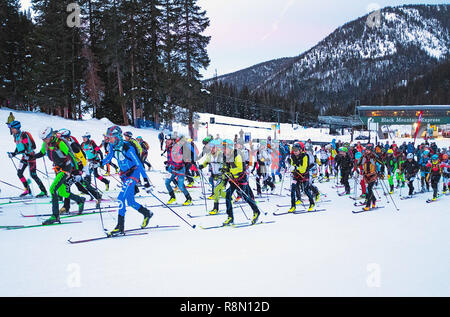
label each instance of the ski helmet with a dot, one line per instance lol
(435, 157)
(390, 151)
(445, 157)
(64, 132)
(410, 156)
(114, 131)
(128, 134)
(87, 135)
(46, 133)
(228, 143)
(15, 125)
(138, 138)
(206, 140)
(425, 153)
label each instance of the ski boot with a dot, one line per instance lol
(255, 217)
(392, 189)
(147, 215)
(367, 208)
(292, 209)
(215, 210)
(317, 196)
(311, 207)
(53, 219)
(25, 193)
(42, 194)
(106, 187)
(228, 222)
(298, 202)
(188, 201)
(120, 228)
(172, 199)
(81, 205)
(63, 211)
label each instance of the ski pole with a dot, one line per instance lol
(391, 197)
(36, 168)
(100, 208)
(282, 181)
(204, 190)
(239, 188)
(151, 193)
(11, 185)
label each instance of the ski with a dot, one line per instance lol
(129, 232)
(317, 202)
(237, 225)
(358, 204)
(15, 202)
(85, 212)
(41, 225)
(106, 237)
(297, 212)
(343, 194)
(362, 210)
(252, 224)
(206, 215)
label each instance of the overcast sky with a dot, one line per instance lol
(248, 32)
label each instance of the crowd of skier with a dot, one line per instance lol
(226, 165)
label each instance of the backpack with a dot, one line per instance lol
(137, 148)
(32, 143)
(79, 156)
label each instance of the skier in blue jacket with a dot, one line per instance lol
(131, 170)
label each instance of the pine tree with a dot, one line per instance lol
(57, 70)
(193, 55)
(15, 30)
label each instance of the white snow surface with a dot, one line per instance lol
(333, 253)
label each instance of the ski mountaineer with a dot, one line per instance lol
(368, 163)
(175, 166)
(391, 166)
(105, 145)
(64, 164)
(77, 175)
(314, 165)
(190, 157)
(424, 171)
(357, 172)
(345, 163)
(215, 161)
(234, 171)
(131, 169)
(323, 156)
(410, 168)
(262, 166)
(25, 145)
(400, 175)
(445, 173)
(145, 148)
(94, 155)
(435, 168)
(300, 164)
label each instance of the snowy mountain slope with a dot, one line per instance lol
(359, 57)
(332, 253)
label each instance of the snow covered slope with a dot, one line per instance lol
(332, 253)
